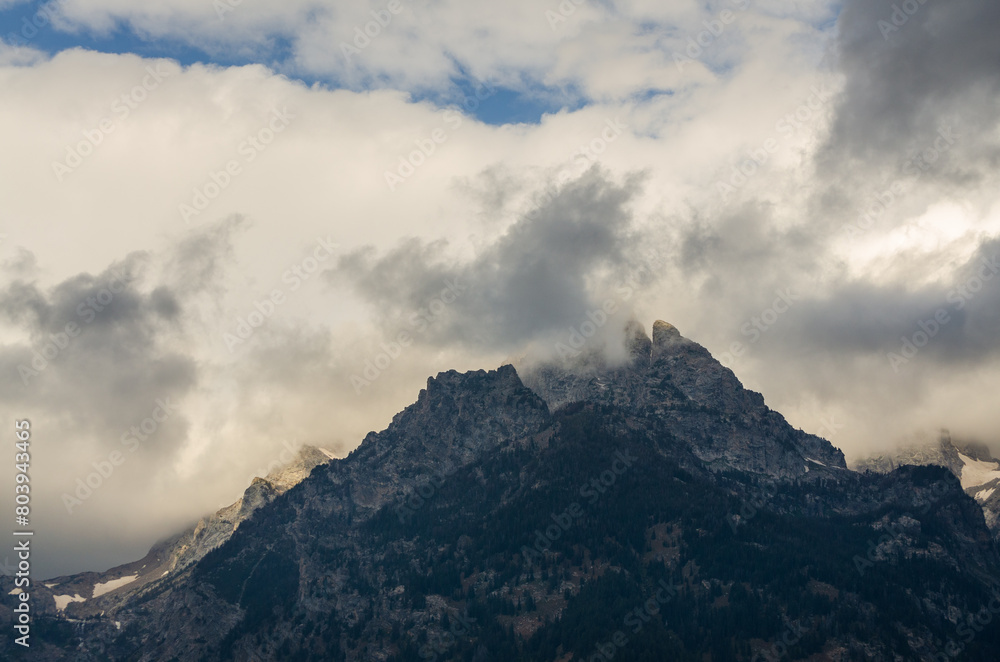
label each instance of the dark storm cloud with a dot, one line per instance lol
(743, 261)
(103, 349)
(544, 273)
(106, 363)
(954, 321)
(743, 251)
(913, 67)
(95, 349)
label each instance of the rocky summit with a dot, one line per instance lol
(672, 381)
(648, 508)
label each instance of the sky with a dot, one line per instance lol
(230, 228)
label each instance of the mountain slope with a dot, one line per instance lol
(77, 595)
(671, 378)
(972, 464)
(653, 510)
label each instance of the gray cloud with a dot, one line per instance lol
(547, 270)
(860, 317)
(98, 353)
(96, 347)
(911, 68)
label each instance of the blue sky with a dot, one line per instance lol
(503, 106)
(638, 159)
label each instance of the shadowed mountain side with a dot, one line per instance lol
(484, 524)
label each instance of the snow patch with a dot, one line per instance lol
(815, 461)
(107, 587)
(62, 601)
(15, 591)
(328, 454)
(51, 585)
(983, 495)
(977, 472)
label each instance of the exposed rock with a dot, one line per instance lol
(971, 462)
(172, 555)
(427, 541)
(674, 381)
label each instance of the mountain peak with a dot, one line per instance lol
(664, 332)
(637, 341)
(672, 378)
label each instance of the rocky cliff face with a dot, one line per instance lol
(971, 463)
(675, 381)
(653, 508)
(454, 421)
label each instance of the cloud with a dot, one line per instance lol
(541, 275)
(959, 310)
(912, 68)
(117, 362)
(515, 217)
(99, 352)
(594, 51)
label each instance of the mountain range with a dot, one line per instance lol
(650, 508)
(972, 463)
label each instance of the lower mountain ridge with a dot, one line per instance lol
(652, 510)
(971, 463)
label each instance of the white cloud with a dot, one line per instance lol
(605, 50)
(169, 140)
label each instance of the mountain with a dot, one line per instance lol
(76, 596)
(644, 509)
(673, 381)
(970, 462)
